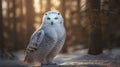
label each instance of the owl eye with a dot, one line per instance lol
(48, 18)
(58, 13)
(56, 18)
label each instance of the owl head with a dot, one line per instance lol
(52, 18)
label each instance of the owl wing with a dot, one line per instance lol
(35, 41)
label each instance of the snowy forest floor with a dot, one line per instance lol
(80, 58)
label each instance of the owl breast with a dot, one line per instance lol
(50, 32)
(60, 30)
(55, 32)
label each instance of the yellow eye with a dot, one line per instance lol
(56, 18)
(48, 18)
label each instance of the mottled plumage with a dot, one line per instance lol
(47, 41)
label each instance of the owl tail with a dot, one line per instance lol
(28, 59)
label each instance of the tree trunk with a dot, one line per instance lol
(95, 34)
(63, 8)
(15, 24)
(29, 18)
(1, 32)
(48, 7)
(106, 24)
(4, 54)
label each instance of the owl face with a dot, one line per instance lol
(52, 18)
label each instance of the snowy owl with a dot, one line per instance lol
(47, 41)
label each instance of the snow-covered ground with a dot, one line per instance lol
(81, 57)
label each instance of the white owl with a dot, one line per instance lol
(47, 41)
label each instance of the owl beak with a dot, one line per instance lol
(51, 23)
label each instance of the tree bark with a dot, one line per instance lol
(95, 34)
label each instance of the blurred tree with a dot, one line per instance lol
(1, 33)
(15, 24)
(95, 34)
(3, 53)
(48, 7)
(29, 18)
(106, 24)
(114, 19)
(63, 8)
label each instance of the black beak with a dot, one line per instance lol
(51, 23)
